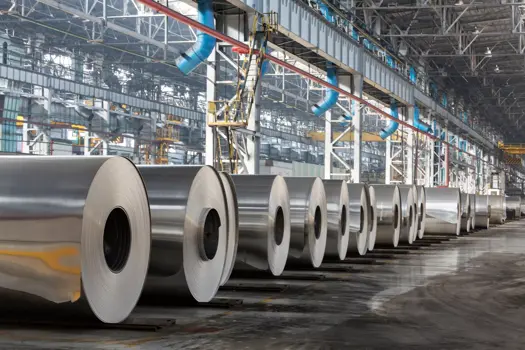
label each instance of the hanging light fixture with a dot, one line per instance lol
(476, 30)
(496, 69)
(459, 3)
(488, 53)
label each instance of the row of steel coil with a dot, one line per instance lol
(95, 234)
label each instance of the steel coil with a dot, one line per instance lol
(497, 207)
(359, 207)
(373, 218)
(75, 236)
(189, 225)
(421, 211)
(466, 216)
(513, 207)
(337, 219)
(232, 226)
(472, 202)
(388, 209)
(308, 223)
(264, 222)
(408, 213)
(483, 212)
(443, 211)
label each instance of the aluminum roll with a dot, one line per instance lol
(308, 223)
(466, 215)
(189, 225)
(373, 218)
(522, 208)
(483, 211)
(359, 225)
(388, 209)
(408, 213)
(472, 202)
(443, 211)
(338, 217)
(264, 222)
(232, 226)
(75, 235)
(497, 207)
(421, 211)
(513, 207)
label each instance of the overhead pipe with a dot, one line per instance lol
(393, 125)
(186, 20)
(205, 43)
(418, 123)
(331, 96)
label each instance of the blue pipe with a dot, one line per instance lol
(326, 12)
(433, 91)
(419, 124)
(331, 96)
(444, 100)
(205, 44)
(392, 126)
(412, 75)
(345, 120)
(266, 64)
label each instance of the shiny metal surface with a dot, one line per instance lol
(483, 211)
(497, 207)
(443, 211)
(372, 218)
(466, 216)
(421, 211)
(308, 224)
(233, 226)
(264, 222)
(388, 209)
(189, 225)
(408, 231)
(338, 217)
(359, 208)
(472, 202)
(513, 207)
(75, 231)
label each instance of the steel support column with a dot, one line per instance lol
(253, 141)
(409, 153)
(328, 145)
(358, 126)
(211, 77)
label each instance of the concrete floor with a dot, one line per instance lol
(464, 293)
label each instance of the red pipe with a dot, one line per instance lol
(192, 23)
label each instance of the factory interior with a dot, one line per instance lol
(262, 174)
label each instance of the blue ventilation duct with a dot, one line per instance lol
(444, 100)
(433, 90)
(412, 75)
(345, 120)
(266, 64)
(393, 125)
(435, 128)
(419, 124)
(368, 45)
(355, 34)
(465, 117)
(205, 44)
(390, 62)
(326, 12)
(331, 96)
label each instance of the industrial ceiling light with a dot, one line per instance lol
(459, 3)
(476, 31)
(488, 53)
(496, 69)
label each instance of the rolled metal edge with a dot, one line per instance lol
(233, 226)
(422, 211)
(466, 215)
(373, 218)
(497, 207)
(483, 211)
(359, 226)
(408, 213)
(308, 220)
(338, 218)
(388, 208)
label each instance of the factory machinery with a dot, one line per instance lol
(103, 236)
